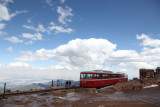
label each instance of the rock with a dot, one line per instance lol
(135, 78)
(58, 100)
(137, 86)
(92, 90)
(130, 85)
(37, 99)
(21, 101)
(18, 91)
(127, 87)
(101, 106)
(43, 93)
(90, 102)
(8, 91)
(118, 86)
(106, 89)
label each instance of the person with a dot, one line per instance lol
(66, 83)
(69, 83)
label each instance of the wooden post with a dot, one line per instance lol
(4, 90)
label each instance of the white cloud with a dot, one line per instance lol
(62, 1)
(2, 33)
(52, 23)
(89, 54)
(5, 2)
(36, 36)
(49, 2)
(2, 25)
(29, 42)
(4, 14)
(60, 29)
(17, 64)
(40, 28)
(9, 49)
(147, 41)
(65, 14)
(17, 12)
(94, 50)
(52, 27)
(14, 39)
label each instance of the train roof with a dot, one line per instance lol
(102, 71)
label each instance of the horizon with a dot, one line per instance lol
(57, 39)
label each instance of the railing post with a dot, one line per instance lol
(4, 90)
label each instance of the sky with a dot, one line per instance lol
(50, 39)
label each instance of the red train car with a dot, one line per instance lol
(99, 78)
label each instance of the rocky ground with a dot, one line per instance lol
(104, 97)
(134, 93)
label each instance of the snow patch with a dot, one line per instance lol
(153, 85)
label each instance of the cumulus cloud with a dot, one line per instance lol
(5, 2)
(9, 49)
(65, 14)
(29, 42)
(147, 41)
(77, 52)
(40, 28)
(62, 1)
(36, 36)
(52, 27)
(4, 14)
(60, 29)
(2, 33)
(17, 12)
(14, 39)
(49, 2)
(2, 25)
(97, 53)
(17, 64)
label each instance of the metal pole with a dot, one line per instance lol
(4, 90)
(52, 83)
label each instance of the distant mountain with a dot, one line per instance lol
(59, 82)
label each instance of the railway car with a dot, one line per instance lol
(100, 78)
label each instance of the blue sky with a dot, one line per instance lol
(76, 35)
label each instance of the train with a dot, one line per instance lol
(100, 78)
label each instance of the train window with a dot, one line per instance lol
(103, 76)
(89, 76)
(83, 76)
(114, 76)
(121, 76)
(97, 76)
(107, 76)
(100, 76)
